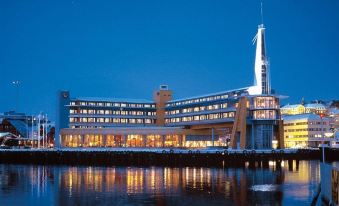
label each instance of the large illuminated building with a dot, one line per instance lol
(241, 118)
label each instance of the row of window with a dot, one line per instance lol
(110, 112)
(265, 102)
(305, 123)
(111, 120)
(111, 104)
(264, 114)
(296, 136)
(304, 136)
(197, 109)
(200, 117)
(202, 99)
(305, 129)
(99, 140)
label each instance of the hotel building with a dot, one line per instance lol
(246, 118)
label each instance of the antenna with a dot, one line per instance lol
(262, 14)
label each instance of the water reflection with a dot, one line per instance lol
(292, 183)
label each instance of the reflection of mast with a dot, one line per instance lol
(239, 194)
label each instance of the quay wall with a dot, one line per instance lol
(160, 157)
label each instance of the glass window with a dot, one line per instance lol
(264, 114)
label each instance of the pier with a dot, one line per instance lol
(160, 156)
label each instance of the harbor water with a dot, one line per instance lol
(294, 183)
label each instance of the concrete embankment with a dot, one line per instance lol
(159, 157)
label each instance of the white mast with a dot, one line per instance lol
(262, 79)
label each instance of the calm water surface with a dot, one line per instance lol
(292, 184)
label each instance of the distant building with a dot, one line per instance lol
(294, 109)
(306, 130)
(315, 108)
(333, 113)
(25, 127)
(18, 124)
(241, 118)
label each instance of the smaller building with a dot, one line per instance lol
(295, 109)
(315, 108)
(306, 130)
(292, 109)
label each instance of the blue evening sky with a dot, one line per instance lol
(126, 49)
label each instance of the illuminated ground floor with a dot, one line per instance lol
(263, 134)
(140, 137)
(305, 142)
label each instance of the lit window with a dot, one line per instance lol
(100, 120)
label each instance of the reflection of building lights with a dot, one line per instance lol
(153, 178)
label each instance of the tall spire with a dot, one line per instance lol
(261, 70)
(262, 14)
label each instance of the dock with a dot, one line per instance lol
(160, 156)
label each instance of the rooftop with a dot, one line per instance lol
(210, 95)
(308, 116)
(315, 105)
(124, 100)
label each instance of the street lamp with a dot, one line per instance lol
(322, 136)
(16, 84)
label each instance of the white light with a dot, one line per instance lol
(328, 134)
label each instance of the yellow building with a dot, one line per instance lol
(293, 109)
(305, 130)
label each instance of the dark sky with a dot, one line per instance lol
(126, 49)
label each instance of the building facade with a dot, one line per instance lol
(242, 118)
(294, 109)
(306, 130)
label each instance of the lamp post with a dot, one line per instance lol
(16, 84)
(322, 136)
(32, 132)
(46, 132)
